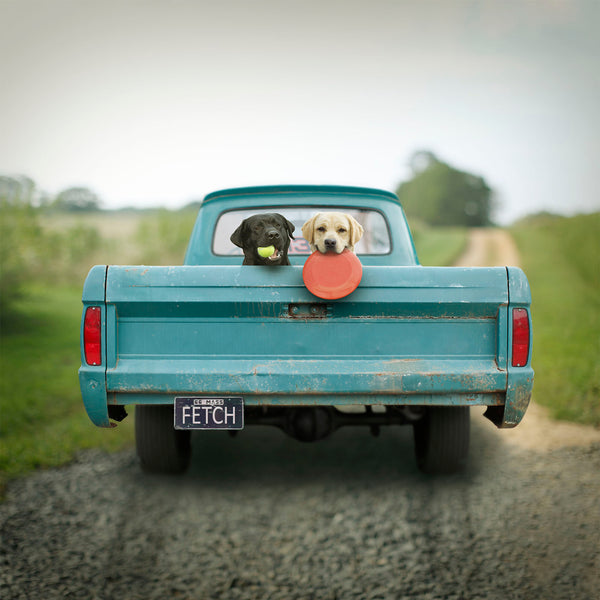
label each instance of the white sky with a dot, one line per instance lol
(150, 102)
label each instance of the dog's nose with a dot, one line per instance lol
(330, 244)
(274, 235)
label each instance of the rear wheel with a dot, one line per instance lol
(442, 439)
(160, 447)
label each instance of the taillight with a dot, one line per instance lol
(520, 337)
(92, 335)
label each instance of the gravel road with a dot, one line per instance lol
(263, 516)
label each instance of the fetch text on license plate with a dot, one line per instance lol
(209, 413)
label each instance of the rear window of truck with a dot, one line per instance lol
(375, 240)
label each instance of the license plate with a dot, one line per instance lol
(209, 413)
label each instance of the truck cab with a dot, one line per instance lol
(387, 239)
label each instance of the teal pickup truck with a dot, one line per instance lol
(213, 344)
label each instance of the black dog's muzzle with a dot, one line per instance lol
(273, 236)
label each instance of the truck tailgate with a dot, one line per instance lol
(406, 335)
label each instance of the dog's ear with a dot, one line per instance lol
(289, 226)
(236, 237)
(308, 229)
(356, 231)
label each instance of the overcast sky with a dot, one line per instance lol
(150, 102)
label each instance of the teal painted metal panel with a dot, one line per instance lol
(319, 191)
(384, 337)
(518, 395)
(92, 382)
(226, 330)
(313, 377)
(520, 380)
(92, 379)
(520, 292)
(379, 285)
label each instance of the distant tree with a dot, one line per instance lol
(77, 199)
(442, 195)
(19, 189)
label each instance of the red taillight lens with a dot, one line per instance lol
(520, 337)
(92, 335)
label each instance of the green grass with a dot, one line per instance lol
(42, 419)
(561, 258)
(439, 246)
(164, 235)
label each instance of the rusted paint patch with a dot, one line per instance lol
(518, 397)
(305, 311)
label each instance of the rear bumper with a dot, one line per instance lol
(293, 383)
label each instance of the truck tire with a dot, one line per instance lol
(160, 447)
(442, 439)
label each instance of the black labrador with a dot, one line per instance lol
(261, 231)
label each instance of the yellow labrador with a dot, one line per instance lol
(332, 231)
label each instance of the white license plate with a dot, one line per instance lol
(209, 413)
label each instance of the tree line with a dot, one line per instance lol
(437, 194)
(22, 190)
(30, 252)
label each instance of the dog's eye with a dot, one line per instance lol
(341, 230)
(321, 229)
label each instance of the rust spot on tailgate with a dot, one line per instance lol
(313, 310)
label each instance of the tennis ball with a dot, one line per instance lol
(266, 251)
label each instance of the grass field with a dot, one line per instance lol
(42, 419)
(561, 258)
(43, 422)
(439, 246)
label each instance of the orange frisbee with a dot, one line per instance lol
(331, 276)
